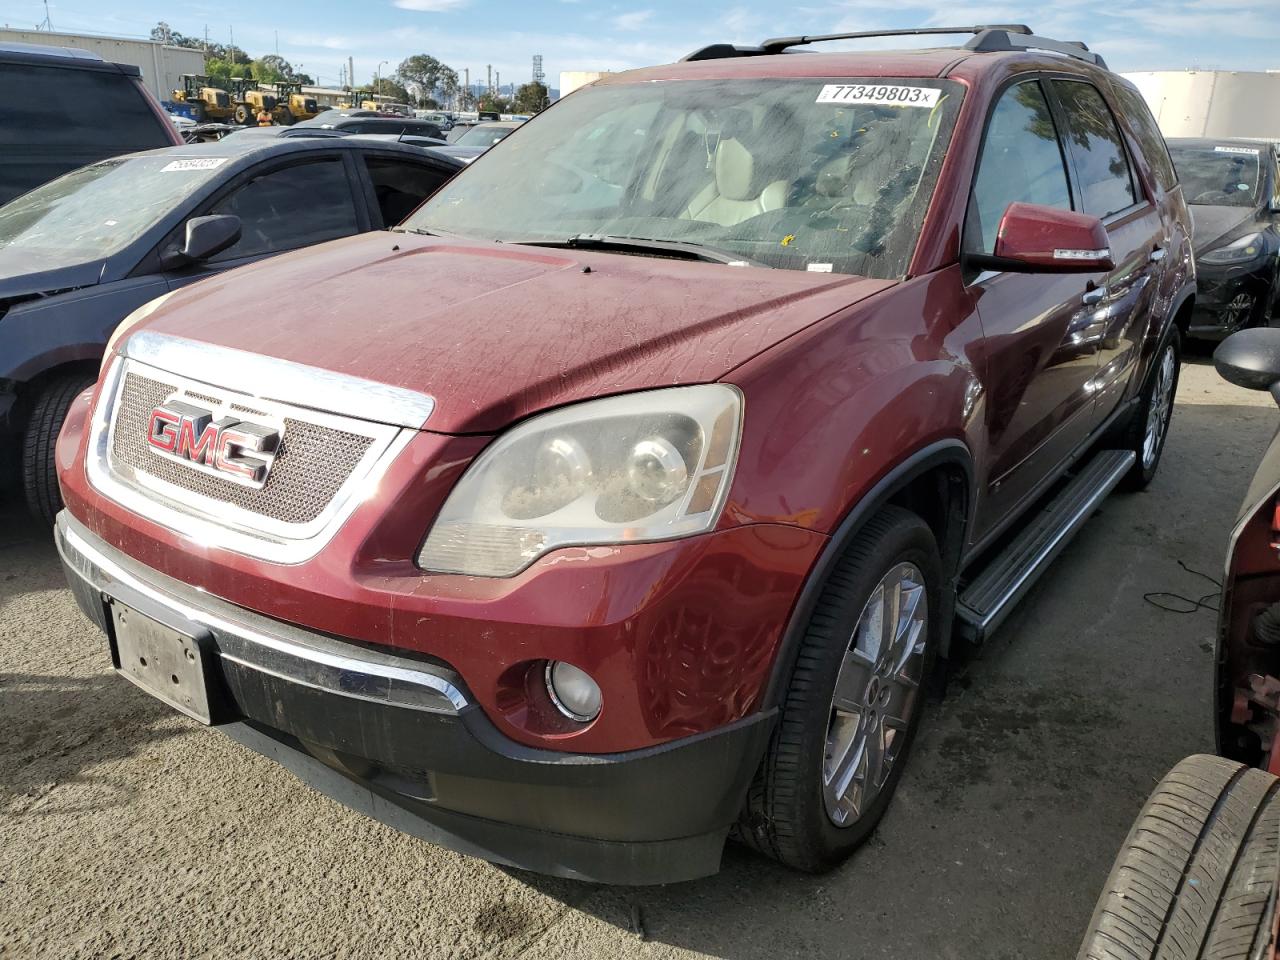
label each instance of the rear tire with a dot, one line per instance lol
(818, 794)
(1196, 877)
(286, 118)
(39, 469)
(1157, 400)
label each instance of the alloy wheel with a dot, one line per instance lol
(1235, 315)
(877, 694)
(1160, 409)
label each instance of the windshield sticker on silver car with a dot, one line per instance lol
(880, 95)
(195, 163)
(1247, 151)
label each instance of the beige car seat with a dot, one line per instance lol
(732, 196)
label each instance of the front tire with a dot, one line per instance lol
(1196, 877)
(1148, 430)
(854, 700)
(39, 469)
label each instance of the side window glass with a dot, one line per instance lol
(1106, 184)
(1147, 133)
(401, 186)
(291, 207)
(1021, 162)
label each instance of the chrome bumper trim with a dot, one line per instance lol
(259, 643)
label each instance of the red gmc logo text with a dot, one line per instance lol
(232, 449)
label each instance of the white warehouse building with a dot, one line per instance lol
(162, 65)
(1213, 103)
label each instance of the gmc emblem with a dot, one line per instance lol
(228, 448)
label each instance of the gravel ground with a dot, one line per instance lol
(126, 830)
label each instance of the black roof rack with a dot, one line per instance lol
(988, 38)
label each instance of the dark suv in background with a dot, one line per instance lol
(54, 101)
(636, 489)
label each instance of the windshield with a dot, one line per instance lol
(1219, 176)
(100, 209)
(826, 176)
(482, 136)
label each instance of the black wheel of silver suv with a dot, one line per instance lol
(854, 700)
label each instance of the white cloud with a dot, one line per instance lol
(632, 21)
(430, 6)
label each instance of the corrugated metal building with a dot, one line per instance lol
(161, 65)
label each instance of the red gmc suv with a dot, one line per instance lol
(742, 386)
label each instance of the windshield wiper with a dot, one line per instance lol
(686, 249)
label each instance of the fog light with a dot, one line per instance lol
(574, 693)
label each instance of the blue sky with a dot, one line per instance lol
(600, 35)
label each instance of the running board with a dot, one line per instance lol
(987, 600)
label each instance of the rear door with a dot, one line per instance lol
(1040, 362)
(1107, 187)
(282, 206)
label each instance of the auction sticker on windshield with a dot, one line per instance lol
(880, 95)
(195, 163)
(1247, 151)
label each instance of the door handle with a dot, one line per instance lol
(1094, 296)
(1158, 254)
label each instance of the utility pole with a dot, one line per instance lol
(498, 80)
(489, 81)
(351, 74)
(466, 99)
(538, 75)
(277, 33)
(47, 24)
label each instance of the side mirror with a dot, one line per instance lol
(1039, 239)
(1251, 359)
(205, 237)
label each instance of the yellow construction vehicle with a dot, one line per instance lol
(292, 104)
(208, 103)
(250, 101)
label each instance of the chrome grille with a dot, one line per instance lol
(313, 463)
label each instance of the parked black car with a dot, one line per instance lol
(54, 101)
(81, 253)
(385, 124)
(479, 138)
(1233, 187)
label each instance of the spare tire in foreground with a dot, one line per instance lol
(1197, 875)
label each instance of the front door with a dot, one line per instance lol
(1040, 352)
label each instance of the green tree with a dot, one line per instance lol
(272, 68)
(428, 78)
(530, 98)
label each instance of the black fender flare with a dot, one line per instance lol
(950, 452)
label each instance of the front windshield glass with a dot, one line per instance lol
(1218, 176)
(482, 136)
(100, 209)
(819, 175)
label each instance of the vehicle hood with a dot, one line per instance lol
(496, 332)
(24, 273)
(1211, 224)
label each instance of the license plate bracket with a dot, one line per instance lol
(174, 666)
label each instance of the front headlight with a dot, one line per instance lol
(639, 467)
(1238, 251)
(131, 321)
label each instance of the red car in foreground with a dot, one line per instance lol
(739, 383)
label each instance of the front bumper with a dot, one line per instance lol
(1218, 286)
(400, 739)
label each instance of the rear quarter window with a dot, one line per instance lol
(1137, 116)
(53, 122)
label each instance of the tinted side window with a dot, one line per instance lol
(52, 122)
(1106, 184)
(400, 186)
(1021, 161)
(1147, 133)
(290, 208)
